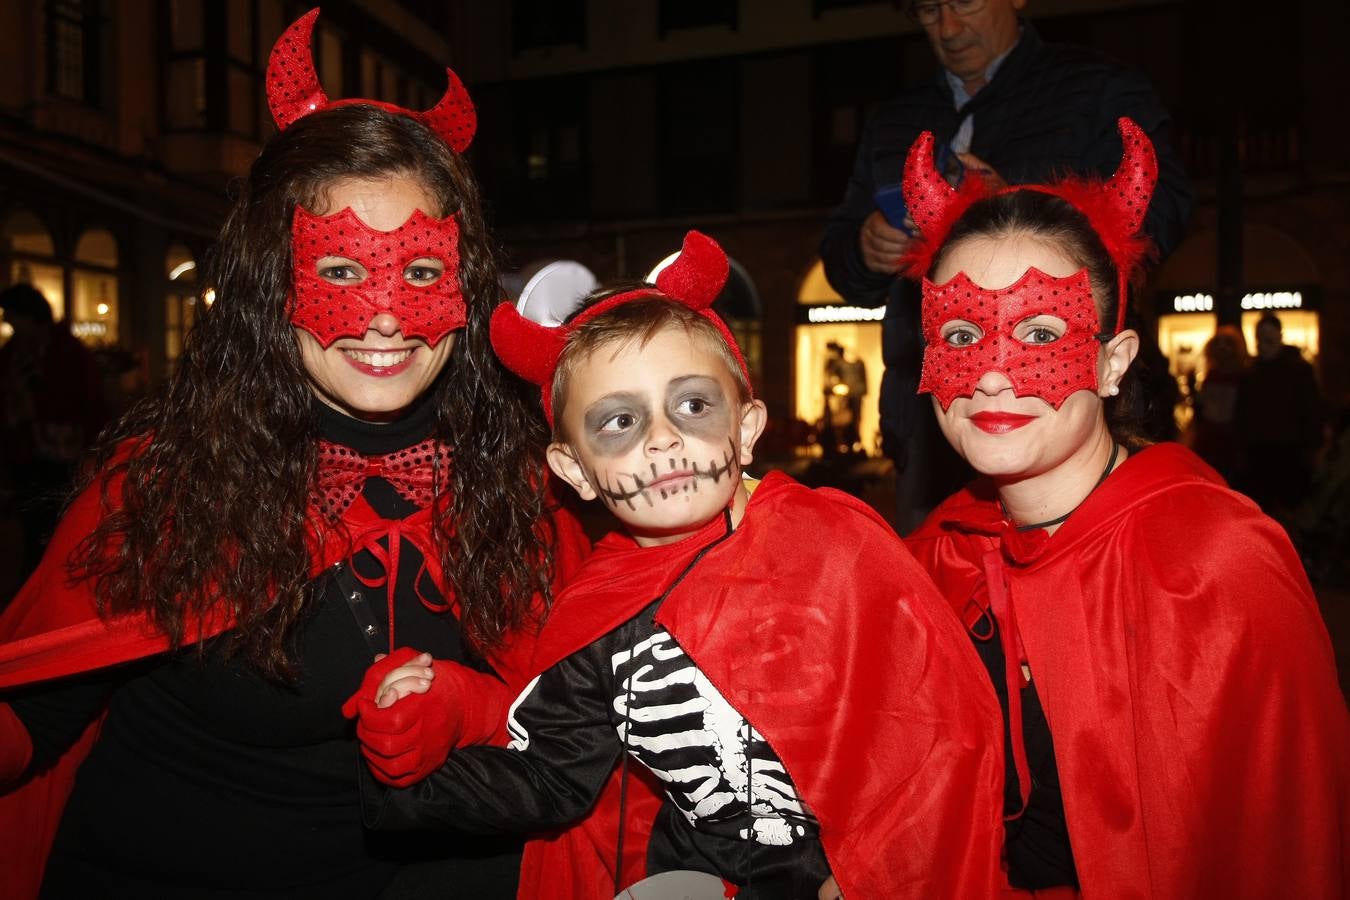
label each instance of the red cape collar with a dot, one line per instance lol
(975, 508)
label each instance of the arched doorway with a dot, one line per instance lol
(30, 257)
(94, 308)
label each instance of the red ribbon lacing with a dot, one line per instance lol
(413, 473)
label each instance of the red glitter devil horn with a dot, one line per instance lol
(453, 117)
(1131, 188)
(927, 193)
(293, 88)
(698, 274)
(527, 348)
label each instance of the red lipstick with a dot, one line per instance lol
(999, 422)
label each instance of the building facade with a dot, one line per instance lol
(612, 126)
(122, 123)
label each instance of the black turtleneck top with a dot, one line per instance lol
(210, 781)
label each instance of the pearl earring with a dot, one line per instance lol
(1114, 390)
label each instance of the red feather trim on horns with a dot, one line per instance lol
(1115, 209)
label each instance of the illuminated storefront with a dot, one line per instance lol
(823, 319)
(93, 312)
(1279, 276)
(83, 291)
(1191, 322)
(31, 257)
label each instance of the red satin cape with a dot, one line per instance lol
(52, 629)
(1200, 733)
(816, 624)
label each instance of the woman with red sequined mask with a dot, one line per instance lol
(1173, 722)
(339, 467)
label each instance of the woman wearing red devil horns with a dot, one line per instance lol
(1173, 721)
(338, 468)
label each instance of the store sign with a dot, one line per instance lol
(1303, 298)
(1193, 303)
(88, 329)
(819, 315)
(1273, 300)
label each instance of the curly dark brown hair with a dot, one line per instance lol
(212, 514)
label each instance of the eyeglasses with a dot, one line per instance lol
(928, 12)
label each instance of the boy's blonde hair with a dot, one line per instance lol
(638, 320)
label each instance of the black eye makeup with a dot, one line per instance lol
(697, 405)
(616, 423)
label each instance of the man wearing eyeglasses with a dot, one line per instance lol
(1016, 108)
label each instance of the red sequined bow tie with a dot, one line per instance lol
(412, 471)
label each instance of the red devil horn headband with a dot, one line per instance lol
(293, 90)
(531, 350)
(1115, 209)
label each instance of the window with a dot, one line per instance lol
(673, 14)
(820, 6)
(94, 307)
(73, 50)
(547, 23)
(31, 257)
(213, 73)
(699, 116)
(180, 300)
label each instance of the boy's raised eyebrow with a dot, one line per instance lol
(680, 381)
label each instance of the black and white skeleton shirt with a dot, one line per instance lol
(636, 688)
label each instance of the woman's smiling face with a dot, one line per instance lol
(658, 433)
(380, 374)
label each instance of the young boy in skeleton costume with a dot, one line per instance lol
(770, 653)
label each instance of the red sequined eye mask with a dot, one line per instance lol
(330, 311)
(1051, 371)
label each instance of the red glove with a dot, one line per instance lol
(408, 740)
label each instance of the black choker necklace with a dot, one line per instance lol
(1110, 464)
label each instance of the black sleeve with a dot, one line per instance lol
(56, 714)
(839, 250)
(563, 749)
(1130, 94)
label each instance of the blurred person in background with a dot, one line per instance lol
(1280, 420)
(51, 410)
(1213, 429)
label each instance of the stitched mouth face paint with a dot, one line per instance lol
(665, 481)
(971, 330)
